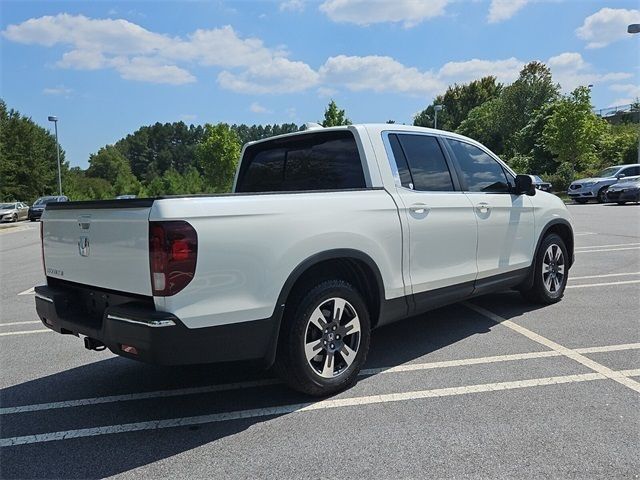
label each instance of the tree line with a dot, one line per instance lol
(529, 123)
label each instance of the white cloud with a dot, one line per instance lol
(279, 75)
(142, 55)
(188, 117)
(631, 90)
(501, 10)
(255, 107)
(367, 12)
(292, 6)
(378, 74)
(459, 72)
(571, 71)
(606, 26)
(59, 90)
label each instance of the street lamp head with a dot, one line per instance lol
(52, 118)
(633, 28)
(437, 108)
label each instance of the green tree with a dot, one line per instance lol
(573, 131)
(28, 161)
(334, 117)
(458, 102)
(484, 125)
(111, 165)
(218, 156)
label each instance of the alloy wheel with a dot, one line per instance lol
(553, 269)
(332, 337)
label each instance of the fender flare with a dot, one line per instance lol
(299, 270)
(528, 282)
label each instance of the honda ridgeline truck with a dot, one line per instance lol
(328, 234)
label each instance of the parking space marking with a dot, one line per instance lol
(579, 234)
(606, 284)
(572, 354)
(411, 367)
(607, 250)
(19, 323)
(608, 246)
(24, 332)
(606, 275)
(609, 348)
(297, 408)
(29, 291)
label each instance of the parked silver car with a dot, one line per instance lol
(13, 211)
(585, 189)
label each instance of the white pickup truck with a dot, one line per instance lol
(328, 234)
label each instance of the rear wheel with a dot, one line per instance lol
(324, 339)
(550, 272)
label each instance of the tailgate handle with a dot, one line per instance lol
(84, 222)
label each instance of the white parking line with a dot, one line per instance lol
(19, 323)
(579, 234)
(607, 284)
(29, 291)
(607, 246)
(607, 250)
(25, 332)
(298, 408)
(572, 354)
(606, 275)
(179, 392)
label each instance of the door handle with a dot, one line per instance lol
(483, 207)
(419, 208)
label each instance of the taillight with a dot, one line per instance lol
(42, 246)
(173, 251)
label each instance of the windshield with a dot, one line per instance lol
(44, 200)
(537, 179)
(609, 172)
(7, 206)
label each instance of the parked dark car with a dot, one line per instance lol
(541, 184)
(35, 210)
(627, 190)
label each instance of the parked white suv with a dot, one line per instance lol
(329, 233)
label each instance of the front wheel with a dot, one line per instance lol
(324, 339)
(602, 195)
(550, 272)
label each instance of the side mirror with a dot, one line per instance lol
(524, 185)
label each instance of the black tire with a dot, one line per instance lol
(602, 195)
(621, 203)
(542, 290)
(31, 219)
(14, 218)
(298, 329)
(581, 201)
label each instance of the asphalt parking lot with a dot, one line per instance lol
(490, 388)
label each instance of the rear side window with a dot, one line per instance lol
(313, 161)
(426, 162)
(631, 171)
(481, 173)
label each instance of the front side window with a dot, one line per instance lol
(314, 161)
(480, 171)
(631, 171)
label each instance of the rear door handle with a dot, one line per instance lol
(483, 207)
(419, 208)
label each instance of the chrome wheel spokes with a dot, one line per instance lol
(332, 337)
(553, 269)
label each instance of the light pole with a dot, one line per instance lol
(55, 123)
(635, 28)
(436, 109)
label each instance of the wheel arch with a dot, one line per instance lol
(353, 266)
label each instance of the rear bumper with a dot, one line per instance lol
(35, 214)
(158, 337)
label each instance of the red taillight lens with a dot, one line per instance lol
(173, 251)
(42, 246)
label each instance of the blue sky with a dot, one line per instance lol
(106, 68)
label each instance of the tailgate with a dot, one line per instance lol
(103, 244)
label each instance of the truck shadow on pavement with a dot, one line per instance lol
(106, 455)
